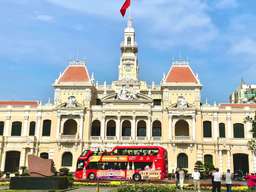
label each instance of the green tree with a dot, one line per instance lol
(252, 142)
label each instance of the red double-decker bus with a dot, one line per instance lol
(124, 163)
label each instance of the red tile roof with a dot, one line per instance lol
(75, 73)
(19, 103)
(237, 105)
(181, 74)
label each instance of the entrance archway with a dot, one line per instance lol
(12, 161)
(241, 163)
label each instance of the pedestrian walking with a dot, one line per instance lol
(177, 178)
(196, 180)
(216, 181)
(181, 178)
(228, 180)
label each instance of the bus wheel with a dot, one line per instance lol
(136, 177)
(91, 176)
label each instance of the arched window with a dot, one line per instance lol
(157, 129)
(208, 159)
(182, 160)
(16, 128)
(67, 159)
(238, 129)
(141, 129)
(129, 40)
(182, 128)
(47, 128)
(111, 128)
(44, 155)
(32, 128)
(222, 133)
(126, 128)
(95, 129)
(207, 129)
(70, 127)
(1, 128)
(12, 161)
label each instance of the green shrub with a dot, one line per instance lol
(64, 171)
(147, 188)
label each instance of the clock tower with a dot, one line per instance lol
(128, 68)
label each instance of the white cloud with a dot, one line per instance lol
(225, 4)
(45, 18)
(169, 23)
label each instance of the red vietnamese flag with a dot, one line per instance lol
(125, 6)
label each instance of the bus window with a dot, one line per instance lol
(142, 165)
(92, 165)
(80, 164)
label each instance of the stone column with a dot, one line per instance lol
(170, 130)
(118, 128)
(81, 130)
(38, 124)
(229, 126)
(58, 128)
(7, 124)
(23, 157)
(133, 132)
(102, 130)
(25, 130)
(149, 128)
(220, 161)
(3, 160)
(199, 153)
(229, 159)
(193, 127)
(215, 126)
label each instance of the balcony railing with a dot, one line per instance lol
(180, 138)
(95, 138)
(126, 138)
(111, 138)
(156, 138)
(141, 138)
(69, 138)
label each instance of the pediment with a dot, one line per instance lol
(137, 98)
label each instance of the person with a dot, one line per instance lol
(177, 178)
(181, 178)
(228, 180)
(216, 180)
(196, 180)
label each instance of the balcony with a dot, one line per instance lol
(111, 138)
(182, 139)
(95, 138)
(126, 138)
(141, 138)
(69, 139)
(158, 138)
(19, 139)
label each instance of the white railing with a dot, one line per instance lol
(156, 138)
(141, 138)
(126, 138)
(95, 138)
(69, 138)
(111, 138)
(182, 138)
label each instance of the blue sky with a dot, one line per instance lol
(39, 37)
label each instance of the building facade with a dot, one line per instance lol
(86, 114)
(245, 93)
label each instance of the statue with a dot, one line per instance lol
(71, 102)
(125, 94)
(182, 103)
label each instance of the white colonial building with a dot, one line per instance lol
(129, 111)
